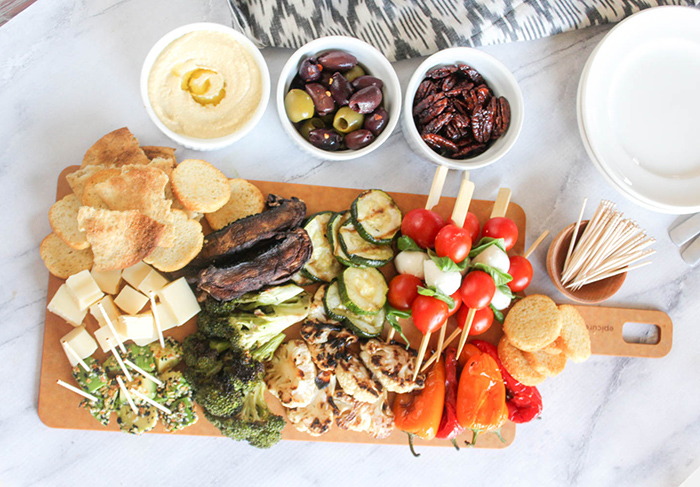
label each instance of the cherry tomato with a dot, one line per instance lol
(501, 227)
(403, 290)
(477, 290)
(422, 226)
(429, 313)
(453, 242)
(521, 270)
(483, 319)
(471, 224)
(457, 296)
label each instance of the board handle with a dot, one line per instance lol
(605, 327)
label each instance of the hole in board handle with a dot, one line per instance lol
(645, 333)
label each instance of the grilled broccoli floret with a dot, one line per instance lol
(265, 352)
(199, 356)
(254, 423)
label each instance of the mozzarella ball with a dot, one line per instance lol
(494, 257)
(411, 262)
(500, 301)
(446, 282)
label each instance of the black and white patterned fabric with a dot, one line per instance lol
(403, 29)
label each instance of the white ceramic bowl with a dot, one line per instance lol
(372, 61)
(195, 142)
(499, 79)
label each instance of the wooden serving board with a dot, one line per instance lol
(58, 408)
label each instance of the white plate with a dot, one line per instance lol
(640, 106)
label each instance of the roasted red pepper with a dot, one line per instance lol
(481, 396)
(524, 402)
(449, 425)
(419, 413)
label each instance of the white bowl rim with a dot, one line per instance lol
(195, 142)
(456, 54)
(325, 43)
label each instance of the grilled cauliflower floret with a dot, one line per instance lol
(392, 365)
(381, 423)
(376, 419)
(326, 341)
(316, 418)
(290, 374)
(356, 380)
(317, 310)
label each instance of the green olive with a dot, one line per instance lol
(353, 73)
(346, 120)
(309, 125)
(298, 105)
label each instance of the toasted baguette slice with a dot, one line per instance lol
(188, 241)
(119, 239)
(62, 260)
(574, 340)
(545, 363)
(90, 195)
(200, 186)
(517, 365)
(533, 323)
(78, 179)
(246, 199)
(63, 217)
(117, 148)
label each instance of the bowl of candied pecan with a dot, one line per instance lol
(463, 109)
(338, 98)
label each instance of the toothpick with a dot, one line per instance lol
(156, 318)
(111, 328)
(90, 397)
(122, 387)
(75, 355)
(611, 274)
(150, 401)
(143, 372)
(575, 234)
(535, 244)
(119, 359)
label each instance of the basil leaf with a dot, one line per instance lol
(506, 290)
(446, 264)
(427, 291)
(497, 314)
(392, 316)
(499, 277)
(487, 242)
(407, 243)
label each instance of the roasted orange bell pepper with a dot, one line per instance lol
(418, 413)
(481, 397)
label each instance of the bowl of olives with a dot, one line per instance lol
(338, 98)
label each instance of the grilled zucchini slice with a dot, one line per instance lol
(359, 251)
(323, 266)
(376, 216)
(334, 224)
(363, 290)
(362, 326)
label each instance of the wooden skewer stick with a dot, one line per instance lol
(459, 214)
(500, 206)
(156, 318)
(75, 355)
(111, 327)
(90, 397)
(138, 369)
(433, 199)
(421, 354)
(119, 359)
(150, 401)
(449, 340)
(465, 332)
(535, 244)
(128, 396)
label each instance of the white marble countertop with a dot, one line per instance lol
(69, 74)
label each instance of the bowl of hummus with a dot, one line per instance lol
(205, 85)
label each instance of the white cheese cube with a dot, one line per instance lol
(104, 333)
(84, 289)
(136, 273)
(108, 280)
(135, 327)
(180, 299)
(130, 300)
(153, 282)
(165, 317)
(80, 341)
(63, 305)
(150, 339)
(112, 312)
